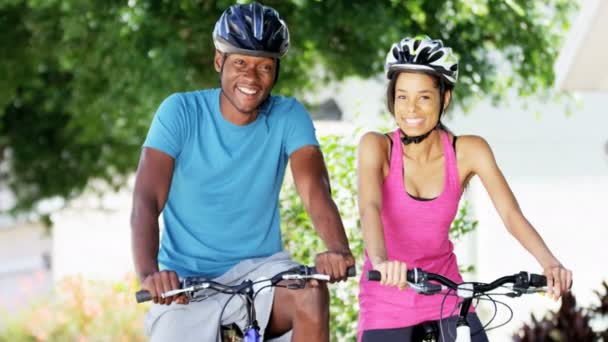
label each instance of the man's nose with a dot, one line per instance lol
(251, 72)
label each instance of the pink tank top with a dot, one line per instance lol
(415, 232)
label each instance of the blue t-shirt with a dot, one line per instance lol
(223, 205)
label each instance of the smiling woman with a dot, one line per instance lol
(410, 183)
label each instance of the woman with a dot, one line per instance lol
(410, 183)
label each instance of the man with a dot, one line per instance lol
(213, 163)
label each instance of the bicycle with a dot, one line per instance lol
(247, 289)
(419, 281)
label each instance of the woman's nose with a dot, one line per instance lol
(410, 106)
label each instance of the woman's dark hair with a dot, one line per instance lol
(390, 90)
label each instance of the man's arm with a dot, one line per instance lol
(312, 182)
(152, 185)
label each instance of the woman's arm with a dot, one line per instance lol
(372, 156)
(479, 157)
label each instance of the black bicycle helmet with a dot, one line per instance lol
(251, 29)
(426, 55)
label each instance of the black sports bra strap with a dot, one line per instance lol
(390, 140)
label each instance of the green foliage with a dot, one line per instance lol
(302, 241)
(462, 224)
(81, 79)
(81, 310)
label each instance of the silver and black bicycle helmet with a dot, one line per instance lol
(251, 29)
(423, 54)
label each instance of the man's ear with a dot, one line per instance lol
(217, 60)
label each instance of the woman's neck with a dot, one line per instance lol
(427, 149)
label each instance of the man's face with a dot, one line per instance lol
(246, 81)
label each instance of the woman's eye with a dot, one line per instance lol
(401, 97)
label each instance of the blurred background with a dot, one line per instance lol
(81, 80)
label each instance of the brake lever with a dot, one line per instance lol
(426, 288)
(187, 290)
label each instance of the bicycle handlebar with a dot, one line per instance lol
(419, 278)
(298, 273)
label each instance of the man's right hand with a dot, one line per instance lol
(159, 282)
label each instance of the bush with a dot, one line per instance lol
(81, 310)
(570, 323)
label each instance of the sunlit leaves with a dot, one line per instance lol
(91, 73)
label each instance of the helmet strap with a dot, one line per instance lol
(224, 56)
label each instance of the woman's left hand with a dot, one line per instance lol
(559, 280)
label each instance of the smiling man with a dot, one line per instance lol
(213, 164)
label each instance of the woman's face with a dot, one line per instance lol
(417, 103)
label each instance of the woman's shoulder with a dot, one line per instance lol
(373, 138)
(472, 142)
(473, 150)
(374, 143)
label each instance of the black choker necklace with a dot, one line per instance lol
(406, 140)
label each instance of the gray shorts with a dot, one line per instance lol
(200, 320)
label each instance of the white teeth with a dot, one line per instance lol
(247, 91)
(413, 121)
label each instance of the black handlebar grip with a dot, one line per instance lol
(373, 275)
(143, 296)
(538, 280)
(351, 271)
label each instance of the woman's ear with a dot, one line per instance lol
(217, 60)
(447, 97)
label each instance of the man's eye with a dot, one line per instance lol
(266, 68)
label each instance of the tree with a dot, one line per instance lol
(81, 79)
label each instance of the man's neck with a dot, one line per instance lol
(233, 115)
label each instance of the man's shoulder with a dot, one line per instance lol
(205, 95)
(189, 103)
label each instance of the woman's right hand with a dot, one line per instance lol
(394, 273)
